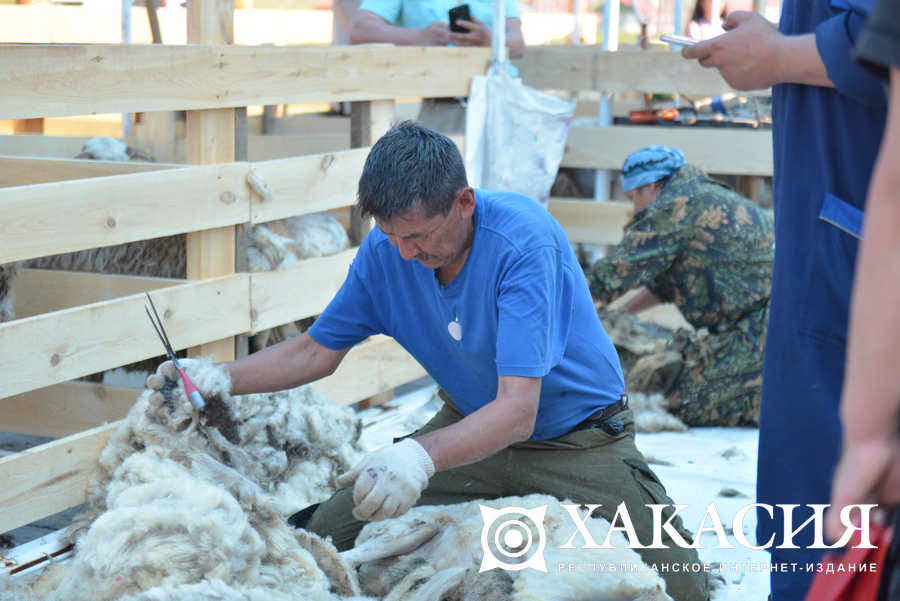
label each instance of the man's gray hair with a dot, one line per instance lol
(410, 168)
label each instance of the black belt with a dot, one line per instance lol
(595, 419)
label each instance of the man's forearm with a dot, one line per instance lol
(368, 28)
(799, 62)
(291, 363)
(506, 420)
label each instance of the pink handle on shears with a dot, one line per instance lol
(191, 390)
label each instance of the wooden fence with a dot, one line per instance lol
(73, 324)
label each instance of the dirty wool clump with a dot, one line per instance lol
(436, 552)
(176, 511)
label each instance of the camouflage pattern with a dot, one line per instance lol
(709, 251)
(721, 379)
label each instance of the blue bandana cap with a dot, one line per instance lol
(649, 165)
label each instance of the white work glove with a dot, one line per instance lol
(167, 382)
(212, 382)
(387, 482)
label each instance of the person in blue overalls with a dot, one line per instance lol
(828, 118)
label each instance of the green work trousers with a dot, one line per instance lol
(586, 466)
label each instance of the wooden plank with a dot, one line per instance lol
(269, 147)
(371, 367)
(19, 171)
(57, 217)
(65, 409)
(48, 478)
(71, 343)
(589, 221)
(304, 290)
(42, 146)
(39, 291)
(630, 70)
(716, 150)
(56, 80)
(308, 184)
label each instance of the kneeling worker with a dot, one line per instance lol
(483, 289)
(696, 243)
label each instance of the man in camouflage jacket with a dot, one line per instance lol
(696, 243)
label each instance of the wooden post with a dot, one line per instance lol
(368, 122)
(155, 133)
(210, 139)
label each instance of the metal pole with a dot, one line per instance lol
(127, 118)
(577, 6)
(605, 110)
(498, 39)
(679, 19)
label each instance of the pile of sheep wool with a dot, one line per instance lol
(177, 512)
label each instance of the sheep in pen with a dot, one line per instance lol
(176, 511)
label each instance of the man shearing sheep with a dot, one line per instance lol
(484, 290)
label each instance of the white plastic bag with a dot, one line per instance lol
(515, 135)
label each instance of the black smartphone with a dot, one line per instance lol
(456, 13)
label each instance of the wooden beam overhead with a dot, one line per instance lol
(744, 151)
(56, 80)
(588, 67)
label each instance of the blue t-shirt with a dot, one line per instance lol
(520, 306)
(419, 14)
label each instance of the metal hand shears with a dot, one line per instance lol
(189, 388)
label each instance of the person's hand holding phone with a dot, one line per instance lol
(477, 33)
(466, 30)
